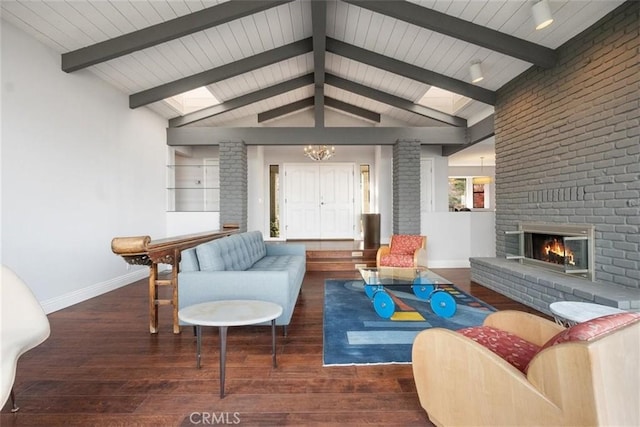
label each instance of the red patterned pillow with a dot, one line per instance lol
(513, 349)
(405, 244)
(593, 329)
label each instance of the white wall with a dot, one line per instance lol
(257, 191)
(78, 168)
(453, 237)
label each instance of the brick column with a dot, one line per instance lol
(406, 187)
(233, 184)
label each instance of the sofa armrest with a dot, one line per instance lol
(382, 250)
(460, 382)
(530, 327)
(274, 249)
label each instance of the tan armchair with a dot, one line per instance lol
(575, 378)
(404, 250)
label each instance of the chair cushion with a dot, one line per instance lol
(510, 347)
(405, 244)
(396, 260)
(593, 329)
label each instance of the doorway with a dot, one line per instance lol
(319, 201)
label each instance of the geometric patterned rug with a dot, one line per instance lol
(354, 334)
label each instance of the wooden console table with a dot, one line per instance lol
(141, 250)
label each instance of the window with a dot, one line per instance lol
(468, 192)
(457, 193)
(478, 196)
(274, 196)
(365, 188)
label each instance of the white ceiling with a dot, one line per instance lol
(480, 154)
(68, 25)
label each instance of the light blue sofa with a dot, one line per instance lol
(242, 266)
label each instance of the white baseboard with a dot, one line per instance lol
(448, 263)
(75, 297)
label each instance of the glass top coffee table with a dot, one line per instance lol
(380, 281)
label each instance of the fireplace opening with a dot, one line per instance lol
(549, 248)
(566, 248)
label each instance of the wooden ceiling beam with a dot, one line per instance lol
(394, 101)
(201, 135)
(223, 72)
(309, 102)
(319, 26)
(477, 133)
(352, 109)
(164, 32)
(462, 30)
(410, 71)
(285, 109)
(243, 100)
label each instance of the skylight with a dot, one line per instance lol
(443, 100)
(193, 100)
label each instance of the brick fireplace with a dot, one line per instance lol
(568, 153)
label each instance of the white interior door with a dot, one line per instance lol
(302, 201)
(336, 201)
(426, 185)
(319, 201)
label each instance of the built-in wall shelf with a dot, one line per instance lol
(193, 188)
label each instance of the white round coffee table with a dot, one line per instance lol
(568, 313)
(227, 313)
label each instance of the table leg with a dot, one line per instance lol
(198, 344)
(153, 298)
(273, 342)
(563, 322)
(223, 357)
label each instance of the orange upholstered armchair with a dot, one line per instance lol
(404, 250)
(521, 369)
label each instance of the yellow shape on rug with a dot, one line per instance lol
(407, 316)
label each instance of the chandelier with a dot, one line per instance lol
(319, 152)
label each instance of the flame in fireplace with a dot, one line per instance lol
(554, 249)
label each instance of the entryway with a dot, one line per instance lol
(319, 201)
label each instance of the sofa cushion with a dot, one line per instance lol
(234, 253)
(593, 329)
(405, 244)
(396, 260)
(294, 265)
(255, 246)
(189, 260)
(210, 255)
(237, 252)
(510, 347)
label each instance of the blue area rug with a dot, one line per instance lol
(354, 334)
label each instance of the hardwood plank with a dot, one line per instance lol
(102, 367)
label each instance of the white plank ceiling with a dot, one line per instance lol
(68, 25)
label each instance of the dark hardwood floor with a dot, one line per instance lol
(102, 367)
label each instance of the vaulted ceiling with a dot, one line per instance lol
(373, 60)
